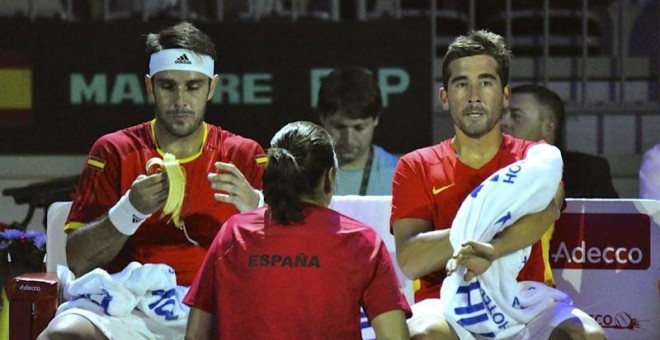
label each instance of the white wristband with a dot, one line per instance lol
(125, 217)
(261, 202)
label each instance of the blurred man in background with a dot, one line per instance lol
(350, 103)
(537, 113)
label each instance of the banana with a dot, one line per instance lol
(177, 186)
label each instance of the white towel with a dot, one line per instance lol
(495, 305)
(151, 288)
(373, 211)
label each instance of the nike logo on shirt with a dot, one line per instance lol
(441, 189)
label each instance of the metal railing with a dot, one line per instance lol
(259, 9)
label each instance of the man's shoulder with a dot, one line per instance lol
(251, 220)
(430, 153)
(652, 156)
(131, 135)
(384, 156)
(517, 144)
(229, 140)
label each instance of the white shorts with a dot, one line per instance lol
(135, 326)
(538, 328)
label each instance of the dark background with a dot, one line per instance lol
(55, 50)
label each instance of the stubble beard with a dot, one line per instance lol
(184, 130)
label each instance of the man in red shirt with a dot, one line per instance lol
(116, 216)
(430, 184)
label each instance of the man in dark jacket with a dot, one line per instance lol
(536, 113)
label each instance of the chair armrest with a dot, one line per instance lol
(33, 300)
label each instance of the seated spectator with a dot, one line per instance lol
(349, 106)
(649, 174)
(536, 113)
(302, 270)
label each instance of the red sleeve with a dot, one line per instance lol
(246, 155)
(99, 185)
(384, 293)
(410, 191)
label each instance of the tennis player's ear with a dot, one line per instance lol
(329, 181)
(149, 85)
(212, 86)
(444, 99)
(506, 96)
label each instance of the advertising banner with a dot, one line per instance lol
(62, 84)
(606, 255)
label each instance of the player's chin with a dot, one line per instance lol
(183, 130)
(345, 157)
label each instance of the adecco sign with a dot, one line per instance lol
(601, 241)
(604, 253)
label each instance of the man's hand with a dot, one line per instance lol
(149, 193)
(475, 256)
(235, 189)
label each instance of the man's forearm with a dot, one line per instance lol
(424, 253)
(93, 245)
(525, 232)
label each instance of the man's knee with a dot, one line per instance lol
(429, 334)
(579, 328)
(72, 327)
(430, 328)
(428, 322)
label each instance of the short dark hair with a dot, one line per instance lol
(549, 100)
(352, 90)
(299, 155)
(480, 42)
(182, 35)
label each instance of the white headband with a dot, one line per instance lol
(180, 59)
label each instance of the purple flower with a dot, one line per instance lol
(12, 234)
(22, 238)
(38, 238)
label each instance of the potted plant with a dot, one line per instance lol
(22, 251)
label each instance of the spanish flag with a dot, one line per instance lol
(15, 89)
(261, 159)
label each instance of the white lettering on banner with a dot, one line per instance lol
(30, 288)
(315, 76)
(255, 86)
(400, 85)
(248, 89)
(245, 89)
(622, 320)
(391, 80)
(92, 92)
(126, 88)
(582, 254)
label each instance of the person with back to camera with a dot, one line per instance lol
(116, 214)
(537, 113)
(432, 183)
(304, 270)
(349, 105)
(649, 174)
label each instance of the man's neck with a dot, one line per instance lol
(476, 152)
(358, 163)
(180, 147)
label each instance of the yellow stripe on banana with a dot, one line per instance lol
(177, 186)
